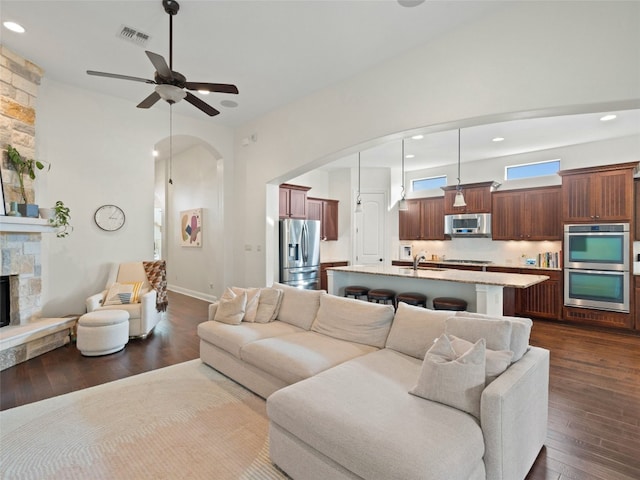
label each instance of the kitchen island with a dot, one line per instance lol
(483, 291)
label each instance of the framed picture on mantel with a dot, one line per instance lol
(3, 207)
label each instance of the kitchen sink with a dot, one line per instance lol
(424, 268)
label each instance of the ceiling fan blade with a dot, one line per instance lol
(121, 77)
(160, 65)
(149, 101)
(205, 107)
(212, 87)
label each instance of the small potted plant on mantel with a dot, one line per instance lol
(25, 167)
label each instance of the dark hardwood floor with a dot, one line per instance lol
(594, 398)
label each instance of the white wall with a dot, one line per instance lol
(100, 149)
(536, 57)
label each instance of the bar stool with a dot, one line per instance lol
(356, 291)
(449, 303)
(381, 295)
(412, 298)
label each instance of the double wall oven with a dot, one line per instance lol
(596, 266)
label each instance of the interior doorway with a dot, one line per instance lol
(369, 230)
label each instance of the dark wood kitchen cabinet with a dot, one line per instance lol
(477, 196)
(600, 194)
(527, 214)
(424, 220)
(323, 271)
(326, 211)
(543, 300)
(636, 206)
(293, 201)
(637, 301)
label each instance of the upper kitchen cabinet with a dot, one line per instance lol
(293, 201)
(477, 196)
(326, 211)
(602, 193)
(527, 214)
(423, 220)
(637, 209)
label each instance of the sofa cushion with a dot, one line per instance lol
(414, 329)
(300, 355)
(520, 331)
(253, 296)
(497, 333)
(452, 379)
(353, 320)
(268, 305)
(298, 307)
(360, 415)
(497, 361)
(231, 311)
(231, 338)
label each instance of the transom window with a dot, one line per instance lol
(530, 170)
(429, 183)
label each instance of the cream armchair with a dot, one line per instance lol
(143, 316)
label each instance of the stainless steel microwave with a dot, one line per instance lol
(468, 225)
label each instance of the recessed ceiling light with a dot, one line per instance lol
(497, 139)
(229, 103)
(204, 92)
(410, 3)
(417, 137)
(14, 27)
(607, 118)
(409, 155)
(156, 153)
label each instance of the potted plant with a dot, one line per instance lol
(24, 166)
(60, 219)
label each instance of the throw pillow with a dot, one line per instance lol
(268, 305)
(253, 295)
(414, 329)
(123, 293)
(452, 379)
(520, 331)
(298, 307)
(496, 361)
(497, 333)
(232, 310)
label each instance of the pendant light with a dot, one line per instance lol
(358, 201)
(402, 204)
(170, 143)
(459, 200)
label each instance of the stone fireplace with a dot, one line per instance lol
(28, 334)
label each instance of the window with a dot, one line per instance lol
(529, 170)
(428, 183)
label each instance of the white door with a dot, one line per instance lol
(369, 234)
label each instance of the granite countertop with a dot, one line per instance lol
(515, 280)
(491, 264)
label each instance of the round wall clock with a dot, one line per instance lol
(109, 217)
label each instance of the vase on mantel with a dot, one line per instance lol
(28, 209)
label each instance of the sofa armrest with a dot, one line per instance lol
(95, 301)
(513, 415)
(213, 307)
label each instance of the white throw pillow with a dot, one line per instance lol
(414, 329)
(452, 379)
(496, 361)
(298, 307)
(268, 305)
(497, 333)
(520, 331)
(231, 311)
(253, 297)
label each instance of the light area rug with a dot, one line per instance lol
(182, 421)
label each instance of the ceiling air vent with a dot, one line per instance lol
(134, 36)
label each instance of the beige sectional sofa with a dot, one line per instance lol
(346, 398)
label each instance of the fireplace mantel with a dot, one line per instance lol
(25, 224)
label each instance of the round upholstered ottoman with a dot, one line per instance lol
(102, 332)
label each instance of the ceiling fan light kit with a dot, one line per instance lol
(171, 85)
(458, 201)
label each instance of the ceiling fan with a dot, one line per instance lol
(171, 85)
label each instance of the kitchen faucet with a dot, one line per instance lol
(419, 256)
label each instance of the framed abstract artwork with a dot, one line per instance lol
(191, 228)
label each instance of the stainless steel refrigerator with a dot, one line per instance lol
(300, 253)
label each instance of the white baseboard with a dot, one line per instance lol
(192, 293)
